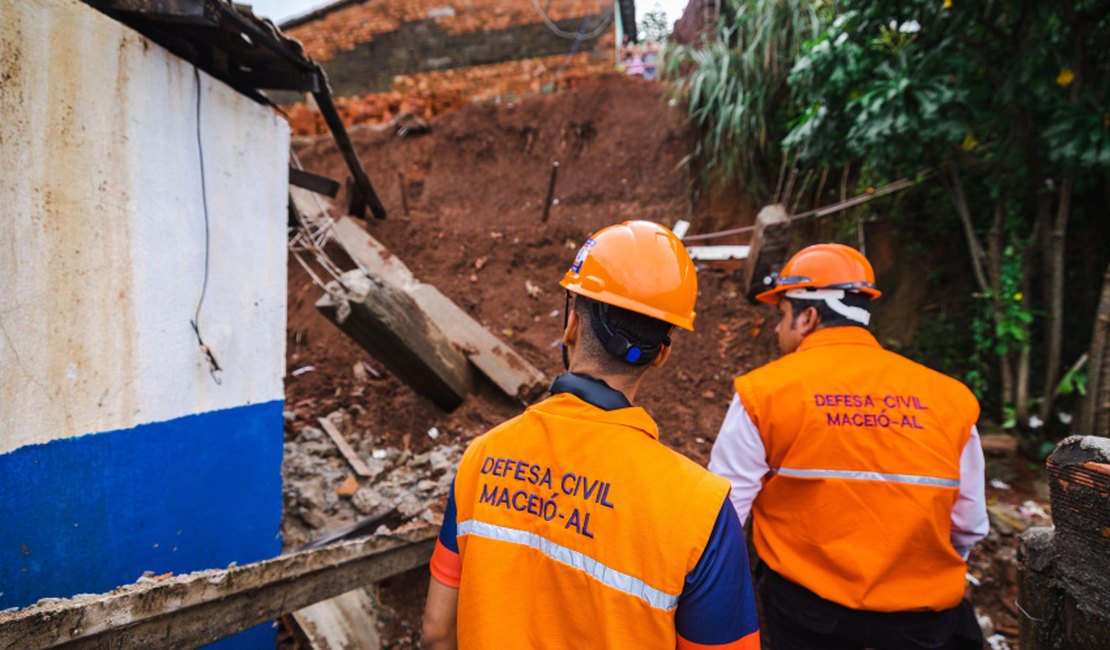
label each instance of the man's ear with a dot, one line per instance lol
(808, 320)
(570, 333)
(661, 358)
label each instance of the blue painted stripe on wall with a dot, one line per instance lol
(87, 514)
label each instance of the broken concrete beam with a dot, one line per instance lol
(511, 372)
(346, 621)
(387, 323)
(1065, 572)
(770, 242)
(194, 609)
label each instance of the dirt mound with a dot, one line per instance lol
(475, 185)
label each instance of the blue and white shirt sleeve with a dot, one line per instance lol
(717, 605)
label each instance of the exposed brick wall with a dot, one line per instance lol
(429, 94)
(343, 29)
(431, 56)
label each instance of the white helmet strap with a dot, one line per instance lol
(834, 299)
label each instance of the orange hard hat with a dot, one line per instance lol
(823, 266)
(640, 266)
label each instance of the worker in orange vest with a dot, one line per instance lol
(862, 471)
(571, 525)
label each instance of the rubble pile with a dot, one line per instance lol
(322, 493)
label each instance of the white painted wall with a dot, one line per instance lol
(102, 242)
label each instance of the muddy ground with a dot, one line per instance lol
(474, 185)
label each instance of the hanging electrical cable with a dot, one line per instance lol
(213, 366)
(607, 18)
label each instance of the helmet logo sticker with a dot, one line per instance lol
(583, 253)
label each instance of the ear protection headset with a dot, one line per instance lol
(619, 343)
(615, 341)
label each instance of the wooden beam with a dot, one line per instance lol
(385, 320)
(202, 607)
(313, 182)
(345, 448)
(718, 253)
(508, 370)
(770, 242)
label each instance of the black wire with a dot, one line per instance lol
(215, 367)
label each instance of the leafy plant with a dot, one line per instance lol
(734, 85)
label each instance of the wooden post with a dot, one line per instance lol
(197, 608)
(1065, 573)
(388, 324)
(770, 242)
(550, 191)
(404, 192)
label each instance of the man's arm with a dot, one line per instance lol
(739, 456)
(717, 606)
(441, 609)
(969, 514)
(440, 617)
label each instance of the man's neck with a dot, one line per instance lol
(624, 383)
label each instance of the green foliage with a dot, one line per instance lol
(734, 85)
(653, 25)
(1073, 381)
(1010, 96)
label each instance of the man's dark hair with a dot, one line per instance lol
(644, 331)
(828, 317)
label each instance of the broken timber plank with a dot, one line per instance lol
(768, 251)
(507, 369)
(387, 322)
(193, 609)
(345, 448)
(346, 621)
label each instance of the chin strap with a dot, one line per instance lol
(834, 298)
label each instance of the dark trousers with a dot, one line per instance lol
(795, 618)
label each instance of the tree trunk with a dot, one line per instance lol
(1096, 412)
(1054, 277)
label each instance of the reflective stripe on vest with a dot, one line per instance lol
(852, 475)
(606, 575)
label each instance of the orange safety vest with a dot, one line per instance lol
(577, 529)
(864, 448)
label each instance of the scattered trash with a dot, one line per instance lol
(997, 642)
(380, 454)
(699, 440)
(554, 313)
(533, 290)
(433, 433)
(973, 580)
(999, 485)
(1064, 418)
(348, 487)
(1035, 422)
(303, 370)
(1032, 509)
